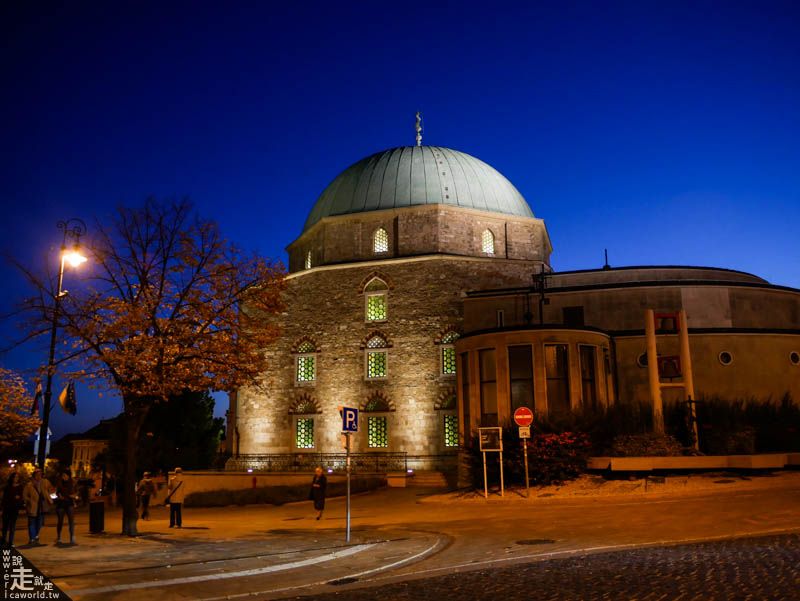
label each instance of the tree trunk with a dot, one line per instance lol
(134, 418)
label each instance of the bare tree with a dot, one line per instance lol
(173, 306)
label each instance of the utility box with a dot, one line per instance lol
(97, 516)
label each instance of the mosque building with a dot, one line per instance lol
(421, 292)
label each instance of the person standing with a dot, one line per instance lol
(48, 497)
(146, 490)
(12, 503)
(175, 498)
(66, 494)
(317, 494)
(34, 504)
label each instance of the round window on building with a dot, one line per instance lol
(794, 358)
(641, 360)
(725, 358)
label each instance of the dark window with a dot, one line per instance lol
(501, 319)
(588, 378)
(520, 373)
(488, 388)
(573, 317)
(556, 359)
(467, 429)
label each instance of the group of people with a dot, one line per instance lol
(37, 498)
(146, 490)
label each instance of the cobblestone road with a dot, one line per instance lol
(745, 568)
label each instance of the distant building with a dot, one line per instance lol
(413, 295)
(84, 452)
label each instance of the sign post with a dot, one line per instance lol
(523, 417)
(491, 440)
(349, 425)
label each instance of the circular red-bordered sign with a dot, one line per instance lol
(523, 416)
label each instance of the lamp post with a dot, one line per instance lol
(73, 228)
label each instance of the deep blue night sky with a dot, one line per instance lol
(666, 132)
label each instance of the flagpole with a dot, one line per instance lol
(74, 228)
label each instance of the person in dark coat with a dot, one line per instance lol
(12, 503)
(66, 495)
(317, 493)
(146, 490)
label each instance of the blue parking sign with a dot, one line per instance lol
(349, 419)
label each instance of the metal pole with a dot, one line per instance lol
(75, 228)
(525, 454)
(347, 450)
(502, 484)
(485, 481)
(48, 391)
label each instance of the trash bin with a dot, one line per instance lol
(97, 516)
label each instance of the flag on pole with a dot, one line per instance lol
(67, 399)
(36, 396)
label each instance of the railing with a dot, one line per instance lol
(305, 462)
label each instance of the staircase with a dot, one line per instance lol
(428, 479)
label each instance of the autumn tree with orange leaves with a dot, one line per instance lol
(16, 421)
(171, 306)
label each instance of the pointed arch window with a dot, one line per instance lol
(376, 301)
(308, 260)
(376, 356)
(447, 354)
(487, 242)
(306, 363)
(380, 241)
(378, 410)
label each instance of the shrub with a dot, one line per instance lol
(644, 445)
(552, 458)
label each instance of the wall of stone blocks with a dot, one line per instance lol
(326, 305)
(420, 230)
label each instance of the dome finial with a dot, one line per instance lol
(418, 128)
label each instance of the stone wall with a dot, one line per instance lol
(326, 305)
(420, 230)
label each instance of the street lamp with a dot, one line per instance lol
(73, 228)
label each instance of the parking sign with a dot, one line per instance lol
(349, 419)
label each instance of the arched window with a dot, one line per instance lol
(304, 411)
(487, 242)
(308, 260)
(305, 363)
(380, 241)
(448, 354)
(375, 358)
(376, 297)
(378, 422)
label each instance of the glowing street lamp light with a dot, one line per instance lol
(74, 228)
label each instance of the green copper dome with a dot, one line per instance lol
(418, 175)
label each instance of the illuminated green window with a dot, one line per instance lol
(376, 357)
(376, 307)
(376, 299)
(306, 363)
(449, 354)
(304, 433)
(377, 432)
(451, 430)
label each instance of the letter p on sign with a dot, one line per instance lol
(349, 419)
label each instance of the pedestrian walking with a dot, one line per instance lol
(66, 495)
(175, 498)
(48, 498)
(146, 489)
(34, 506)
(317, 493)
(12, 503)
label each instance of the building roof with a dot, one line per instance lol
(418, 175)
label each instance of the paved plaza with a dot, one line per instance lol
(714, 537)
